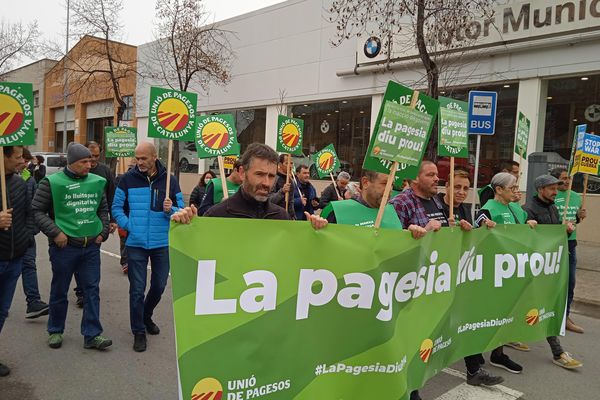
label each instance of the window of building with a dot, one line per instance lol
(36, 98)
(494, 149)
(346, 124)
(128, 114)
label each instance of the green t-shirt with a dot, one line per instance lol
(351, 212)
(232, 189)
(76, 202)
(574, 206)
(511, 213)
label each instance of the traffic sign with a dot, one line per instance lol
(482, 112)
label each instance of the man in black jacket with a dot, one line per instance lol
(280, 188)
(258, 171)
(337, 192)
(71, 209)
(541, 208)
(15, 232)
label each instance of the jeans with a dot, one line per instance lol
(572, 272)
(9, 275)
(29, 277)
(85, 261)
(140, 308)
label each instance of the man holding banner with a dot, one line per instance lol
(142, 207)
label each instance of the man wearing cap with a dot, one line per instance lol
(71, 209)
(541, 208)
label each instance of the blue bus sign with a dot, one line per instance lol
(482, 112)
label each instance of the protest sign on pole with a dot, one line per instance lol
(290, 132)
(331, 323)
(522, 136)
(216, 135)
(482, 121)
(401, 137)
(172, 116)
(16, 122)
(585, 159)
(402, 95)
(120, 141)
(453, 138)
(326, 161)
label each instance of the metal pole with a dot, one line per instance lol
(475, 194)
(65, 88)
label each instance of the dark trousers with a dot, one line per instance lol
(85, 262)
(123, 250)
(572, 273)
(141, 308)
(29, 277)
(9, 275)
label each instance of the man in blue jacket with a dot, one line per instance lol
(142, 208)
(307, 202)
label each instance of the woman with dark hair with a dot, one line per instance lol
(198, 192)
(39, 169)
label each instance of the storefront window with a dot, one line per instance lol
(494, 149)
(345, 124)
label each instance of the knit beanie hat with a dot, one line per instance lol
(76, 152)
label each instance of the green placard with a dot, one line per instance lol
(402, 135)
(326, 161)
(453, 138)
(402, 95)
(364, 314)
(16, 114)
(172, 114)
(216, 136)
(290, 132)
(120, 141)
(522, 136)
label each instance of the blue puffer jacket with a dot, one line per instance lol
(138, 207)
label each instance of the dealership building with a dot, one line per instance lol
(542, 57)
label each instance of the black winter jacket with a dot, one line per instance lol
(542, 212)
(15, 241)
(241, 205)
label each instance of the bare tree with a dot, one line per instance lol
(17, 41)
(190, 50)
(438, 29)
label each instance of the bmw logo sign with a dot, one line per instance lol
(372, 47)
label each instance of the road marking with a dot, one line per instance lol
(108, 253)
(468, 392)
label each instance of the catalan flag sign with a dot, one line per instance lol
(16, 114)
(172, 114)
(216, 136)
(290, 132)
(326, 161)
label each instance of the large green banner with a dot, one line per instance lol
(349, 312)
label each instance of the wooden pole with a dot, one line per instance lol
(169, 157)
(451, 219)
(585, 187)
(3, 181)
(334, 186)
(390, 182)
(287, 180)
(564, 216)
(223, 179)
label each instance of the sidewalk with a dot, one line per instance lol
(587, 290)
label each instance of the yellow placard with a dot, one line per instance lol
(229, 161)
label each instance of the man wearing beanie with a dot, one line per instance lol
(70, 208)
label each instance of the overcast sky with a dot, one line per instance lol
(137, 16)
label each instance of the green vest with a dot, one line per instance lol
(26, 174)
(76, 203)
(232, 189)
(351, 212)
(574, 206)
(505, 214)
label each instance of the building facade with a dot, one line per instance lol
(34, 73)
(91, 103)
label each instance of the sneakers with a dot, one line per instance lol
(503, 361)
(573, 327)
(55, 340)
(518, 346)
(36, 309)
(566, 361)
(151, 327)
(482, 377)
(79, 302)
(139, 342)
(4, 370)
(98, 343)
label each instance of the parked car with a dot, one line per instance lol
(54, 162)
(188, 157)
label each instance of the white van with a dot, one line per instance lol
(54, 162)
